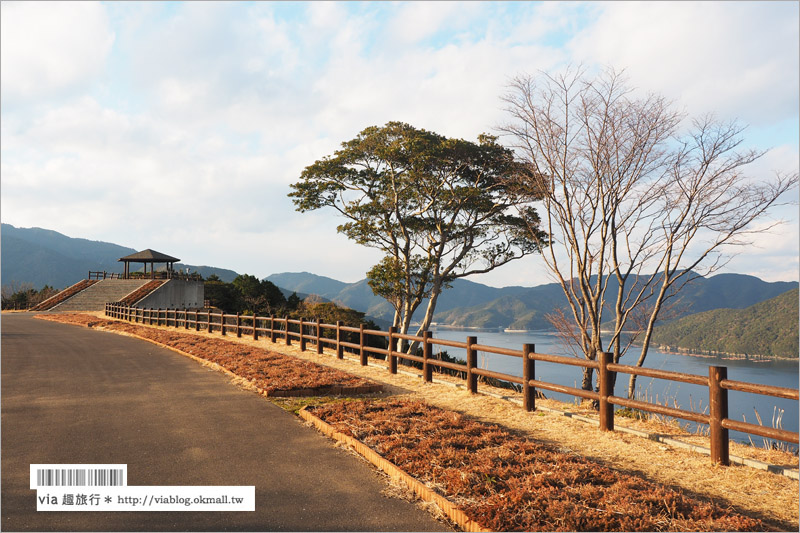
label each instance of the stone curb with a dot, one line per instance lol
(448, 508)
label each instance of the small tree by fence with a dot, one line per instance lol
(360, 341)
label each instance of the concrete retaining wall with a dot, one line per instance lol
(175, 294)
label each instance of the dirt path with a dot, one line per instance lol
(769, 496)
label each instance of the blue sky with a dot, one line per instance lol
(179, 126)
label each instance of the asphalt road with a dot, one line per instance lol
(74, 395)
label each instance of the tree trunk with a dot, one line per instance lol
(586, 383)
(428, 318)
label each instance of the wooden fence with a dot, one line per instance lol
(357, 340)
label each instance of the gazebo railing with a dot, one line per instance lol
(104, 275)
(159, 274)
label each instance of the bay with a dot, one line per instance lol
(742, 406)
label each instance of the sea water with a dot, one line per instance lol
(741, 406)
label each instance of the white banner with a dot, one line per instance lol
(103, 487)
(143, 498)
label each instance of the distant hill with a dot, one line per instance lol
(45, 257)
(307, 283)
(767, 328)
(526, 308)
(359, 295)
(470, 304)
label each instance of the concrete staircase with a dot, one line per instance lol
(95, 297)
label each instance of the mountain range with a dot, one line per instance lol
(40, 256)
(45, 257)
(470, 304)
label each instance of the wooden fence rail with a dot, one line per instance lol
(356, 341)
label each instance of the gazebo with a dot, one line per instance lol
(148, 256)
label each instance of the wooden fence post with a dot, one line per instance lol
(605, 379)
(302, 336)
(255, 327)
(238, 325)
(222, 321)
(528, 373)
(319, 337)
(208, 321)
(472, 362)
(288, 339)
(362, 351)
(718, 402)
(427, 348)
(392, 356)
(339, 348)
(273, 335)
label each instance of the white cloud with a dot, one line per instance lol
(414, 22)
(732, 58)
(51, 47)
(204, 113)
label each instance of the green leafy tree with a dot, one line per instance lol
(293, 302)
(439, 209)
(258, 296)
(222, 295)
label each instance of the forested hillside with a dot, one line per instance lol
(37, 257)
(768, 328)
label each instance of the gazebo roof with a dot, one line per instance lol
(149, 256)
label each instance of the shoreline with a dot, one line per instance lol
(664, 348)
(726, 356)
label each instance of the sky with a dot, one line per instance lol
(180, 126)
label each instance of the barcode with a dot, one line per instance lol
(78, 478)
(78, 475)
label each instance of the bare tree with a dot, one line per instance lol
(634, 210)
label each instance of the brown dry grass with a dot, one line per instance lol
(768, 496)
(507, 482)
